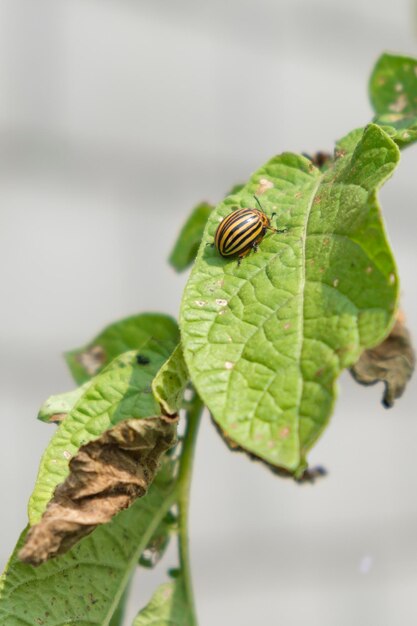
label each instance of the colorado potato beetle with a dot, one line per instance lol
(242, 231)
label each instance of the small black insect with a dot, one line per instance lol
(141, 359)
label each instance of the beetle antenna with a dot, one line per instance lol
(259, 204)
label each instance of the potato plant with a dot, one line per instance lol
(260, 342)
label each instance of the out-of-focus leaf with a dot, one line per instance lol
(132, 333)
(167, 607)
(55, 408)
(189, 239)
(392, 362)
(158, 544)
(235, 189)
(106, 476)
(393, 93)
(122, 391)
(170, 382)
(84, 586)
(264, 341)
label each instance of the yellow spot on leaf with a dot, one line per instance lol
(399, 105)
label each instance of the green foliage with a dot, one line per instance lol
(118, 615)
(132, 333)
(169, 384)
(55, 408)
(265, 340)
(83, 587)
(92, 570)
(121, 391)
(393, 93)
(185, 249)
(158, 544)
(167, 607)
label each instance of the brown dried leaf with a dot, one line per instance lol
(392, 362)
(106, 476)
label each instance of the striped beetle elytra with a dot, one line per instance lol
(242, 231)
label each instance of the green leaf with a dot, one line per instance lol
(264, 341)
(84, 586)
(170, 382)
(189, 239)
(123, 390)
(393, 93)
(132, 333)
(118, 615)
(55, 408)
(167, 607)
(158, 544)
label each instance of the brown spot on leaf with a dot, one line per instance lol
(57, 418)
(392, 362)
(321, 158)
(284, 432)
(106, 476)
(92, 359)
(264, 185)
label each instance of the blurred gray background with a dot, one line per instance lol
(116, 117)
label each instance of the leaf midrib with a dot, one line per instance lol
(302, 305)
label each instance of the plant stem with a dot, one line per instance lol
(184, 484)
